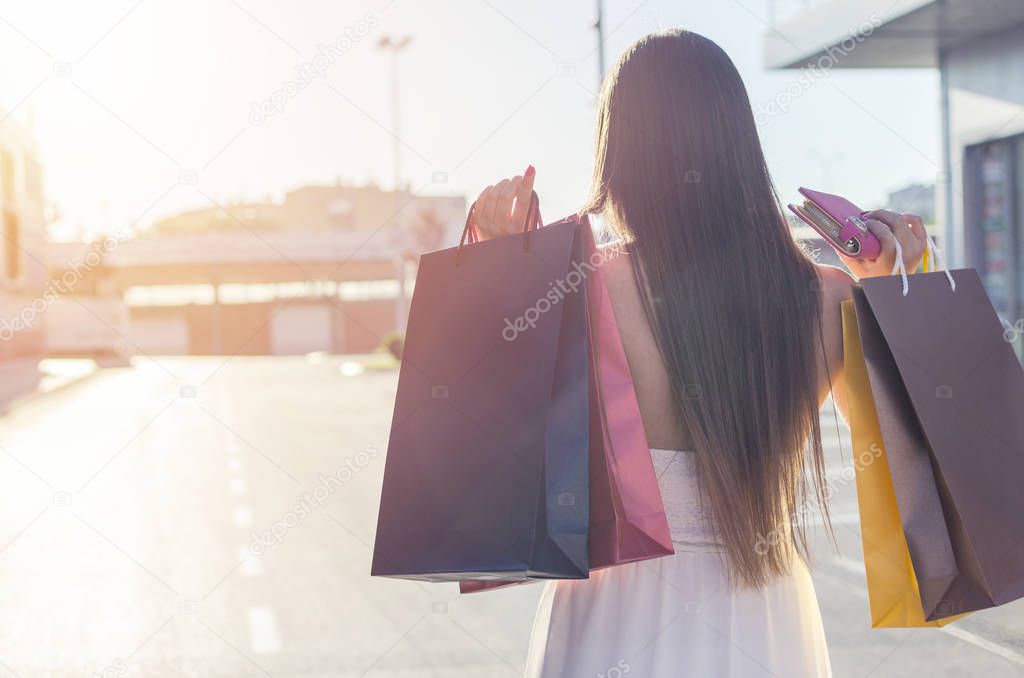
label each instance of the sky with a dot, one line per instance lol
(144, 108)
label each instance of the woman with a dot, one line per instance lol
(734, 340)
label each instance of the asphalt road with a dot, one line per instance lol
(128, 504)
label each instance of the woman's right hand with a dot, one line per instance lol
(891, 227)
(501, 209)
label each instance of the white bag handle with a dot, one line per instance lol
(934, 255)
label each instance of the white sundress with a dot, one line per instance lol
(678, 615)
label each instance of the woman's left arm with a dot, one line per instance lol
(500, 209)
(838, 287)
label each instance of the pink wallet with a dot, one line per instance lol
(840, 223)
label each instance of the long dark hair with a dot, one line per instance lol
(734, 304)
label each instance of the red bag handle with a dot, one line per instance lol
(532, 221)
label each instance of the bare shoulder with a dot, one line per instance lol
(615, 262)
(612, 251)
(837, 283)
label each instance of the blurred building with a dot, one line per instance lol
(22, 257)
(977, 46)
(916, 198)
(329, 268)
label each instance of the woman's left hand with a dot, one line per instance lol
(501, 208)
(891, 227)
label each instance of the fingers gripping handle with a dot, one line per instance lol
(532, 221)
(469, 230)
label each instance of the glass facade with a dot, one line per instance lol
(994, 210)
(1019, 267)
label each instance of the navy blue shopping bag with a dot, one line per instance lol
(487, 466)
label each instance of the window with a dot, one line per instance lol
(994, 211)
(11, 245)
(1020, 232)
(33, 175)
(7, 177)
(339, 213)
(996, 223)
(992, 222)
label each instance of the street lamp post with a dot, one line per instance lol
(827, 162)
(395, 45)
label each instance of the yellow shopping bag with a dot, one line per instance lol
(892, 587)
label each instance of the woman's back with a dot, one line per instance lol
(690, 522)
(651, 378)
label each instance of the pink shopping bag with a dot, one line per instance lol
(627, 516)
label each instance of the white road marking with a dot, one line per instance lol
(231, 447)
(350, 369)
(234, 464)
(263, 636)
(237, 486)
(242, 516)
(251, 565)
(857, 567)
(985, 644)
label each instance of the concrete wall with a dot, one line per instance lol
(260, 328)
(85, 325)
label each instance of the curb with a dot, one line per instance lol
(38, 394)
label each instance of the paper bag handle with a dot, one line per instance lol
(532, 221)
(933, 260)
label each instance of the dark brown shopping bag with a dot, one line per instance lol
(949, 391)
(487, 469)
(893, 590)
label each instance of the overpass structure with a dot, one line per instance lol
(225, 292)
